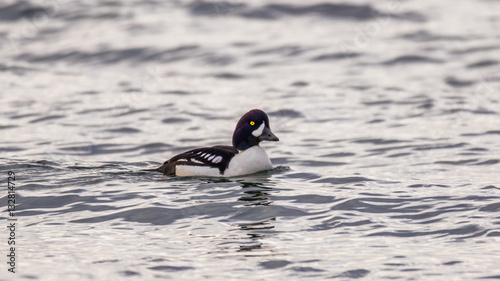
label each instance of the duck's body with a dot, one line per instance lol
(250, 161)
(244, 157)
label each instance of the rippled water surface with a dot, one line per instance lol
(387, 114)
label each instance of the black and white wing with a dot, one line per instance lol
(212, 157)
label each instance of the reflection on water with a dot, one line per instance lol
(387, 115)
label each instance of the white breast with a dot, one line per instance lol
(250, 161)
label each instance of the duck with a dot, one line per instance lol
(244, 157)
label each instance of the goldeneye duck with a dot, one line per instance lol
(243, 158)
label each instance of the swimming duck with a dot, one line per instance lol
(244, 157)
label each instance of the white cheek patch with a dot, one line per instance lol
(257, 132)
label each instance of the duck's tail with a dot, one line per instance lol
(167, 168)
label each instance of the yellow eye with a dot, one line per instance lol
(252, 123)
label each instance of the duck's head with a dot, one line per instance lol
(252, 128)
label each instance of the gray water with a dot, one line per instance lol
(387, 114)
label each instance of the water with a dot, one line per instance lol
(387, 114)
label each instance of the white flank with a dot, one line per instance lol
(186, 170)
(257, 132)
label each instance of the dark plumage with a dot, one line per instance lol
(243, 137)
(193, 157)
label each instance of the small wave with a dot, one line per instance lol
(228, 76)
(287, 113)
(18, 70)
(173, 120)
(455, 82)
(427, 36)
(287, 51)
(482, 63)
(299, 84)
(475, 49)
(273, 264)
(3, 127)
(177, 92)
(19, 10)
(336, 56)
(168, 268)
(95, 149)
(377, 141)
(47, 118)
(133, 55)
(276, 11)
(163, 215)
(468, 231)
(344, 180)
(124, 130)
(407, 59)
